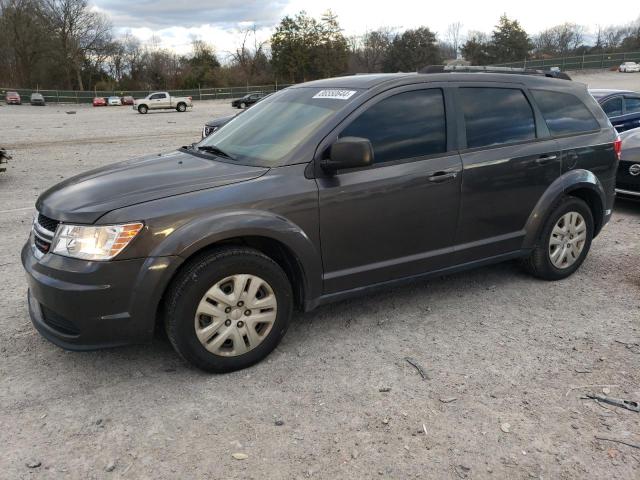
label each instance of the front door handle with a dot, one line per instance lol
(544, 159)
(439, 177)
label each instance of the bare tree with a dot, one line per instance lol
(250, 56)
(80, 33)
(454, 36)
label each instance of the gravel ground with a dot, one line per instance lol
(507, 359)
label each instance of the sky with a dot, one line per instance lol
(220, 22)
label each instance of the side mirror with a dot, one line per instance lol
(348, 152)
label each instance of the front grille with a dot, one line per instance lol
(48, 223)
(43, 230)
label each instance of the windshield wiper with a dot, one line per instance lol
(215, 150)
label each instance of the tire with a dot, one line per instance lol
(540, 262)
(185, 301)
(181, 107)
(143, 109)
(243, 105)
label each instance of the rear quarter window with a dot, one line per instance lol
(564, 113)
(632, 104)
(496, 116)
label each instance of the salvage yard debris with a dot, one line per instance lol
(628, 404)
(4, 156)
(418, 367)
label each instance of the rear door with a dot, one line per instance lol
(508, 161)
(159, 100)
(397, 217)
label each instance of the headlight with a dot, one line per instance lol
(93, 242)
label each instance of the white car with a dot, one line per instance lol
(628, 67)
(114, 101)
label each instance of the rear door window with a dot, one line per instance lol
(632, 104)
(496, 116)
(613, 107)
(407, 125)
(564, 113)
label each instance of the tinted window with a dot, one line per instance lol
(564, 113)
(632, 104)
(613, 107)
(406, 125)
(495, 116)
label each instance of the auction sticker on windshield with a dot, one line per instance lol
(335, 94)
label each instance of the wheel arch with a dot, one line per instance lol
(274, 236)
(578, 183)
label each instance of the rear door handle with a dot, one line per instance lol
(439, 177)
(544, 159)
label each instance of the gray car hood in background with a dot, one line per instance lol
(86, 197)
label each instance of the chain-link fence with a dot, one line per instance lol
(77, 97)
(578, 62)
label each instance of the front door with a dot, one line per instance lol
(398, 217)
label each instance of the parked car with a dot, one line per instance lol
(248, 100)
(362, 182)
(114, 101)
(629, 67)
(127, 100)
(162, 101)
(13, 98)
(37, 99)
(217, 123)
(621, 106)
(99, 102)
(628, 179)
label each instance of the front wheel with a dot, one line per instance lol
(243, 105)
(181, 107)
(228, 309)
(564, 242)
(143, 109)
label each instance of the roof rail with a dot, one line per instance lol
(490, 69)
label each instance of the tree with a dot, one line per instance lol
(201, 67)
(369, 51)
(250, 57)
(476, 48)
(454, 36)
(412, 50)
(560, 39)
(303, 48)
(79, 32)
(509, 42)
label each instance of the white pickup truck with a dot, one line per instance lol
(162, 101)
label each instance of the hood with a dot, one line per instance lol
(86, 197)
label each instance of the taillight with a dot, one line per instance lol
(617, 146)
(190, 98)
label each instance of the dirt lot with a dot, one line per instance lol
(498, 347)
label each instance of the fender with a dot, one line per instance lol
(563, 185)
(204, 231)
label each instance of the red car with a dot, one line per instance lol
(13, 98)
(99, 102)
(128, 100)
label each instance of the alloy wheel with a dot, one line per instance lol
(567, 241)
(235, 315)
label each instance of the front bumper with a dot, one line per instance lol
(83, 305)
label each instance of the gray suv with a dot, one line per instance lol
(320, 192)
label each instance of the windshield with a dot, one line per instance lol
(267, 133)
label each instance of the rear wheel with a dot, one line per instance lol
(564, 242)
(143, 109)
(243, 105)
(228, 309)
(181, 107)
